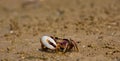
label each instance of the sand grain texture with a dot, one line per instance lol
(94, 23)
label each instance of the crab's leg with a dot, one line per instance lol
(66, 47)
(75, 45)
(74, 48)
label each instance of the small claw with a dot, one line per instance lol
(65, 49)
(48, 42)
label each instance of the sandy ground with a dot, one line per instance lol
(93, 23)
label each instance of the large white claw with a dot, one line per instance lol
(46, 39)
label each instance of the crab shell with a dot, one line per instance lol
(45, 41)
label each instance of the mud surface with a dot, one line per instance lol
(95, 24)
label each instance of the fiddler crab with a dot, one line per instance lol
(57, 44)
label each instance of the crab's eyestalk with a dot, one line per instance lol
(48, 42)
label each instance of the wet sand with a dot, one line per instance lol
(95, 24)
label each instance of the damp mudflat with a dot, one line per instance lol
(95, 24)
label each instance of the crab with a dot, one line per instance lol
(57, 44)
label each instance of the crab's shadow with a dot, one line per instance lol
(47, 51)
(51, 51)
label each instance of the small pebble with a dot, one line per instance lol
(11, 31)
(83, 46)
